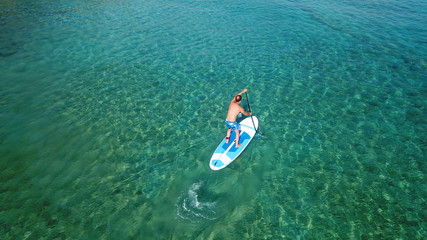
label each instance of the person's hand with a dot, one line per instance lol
(245, 90)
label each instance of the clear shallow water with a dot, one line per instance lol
(110, 111)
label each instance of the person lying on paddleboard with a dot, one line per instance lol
(233, 110)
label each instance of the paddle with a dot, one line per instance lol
(249, 106)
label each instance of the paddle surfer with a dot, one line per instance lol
(233, 110)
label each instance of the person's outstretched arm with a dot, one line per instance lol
(244, 90)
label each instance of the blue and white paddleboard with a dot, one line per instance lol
(227, 153)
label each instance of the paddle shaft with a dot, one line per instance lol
(249, 106)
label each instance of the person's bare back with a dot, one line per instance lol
(233, 110)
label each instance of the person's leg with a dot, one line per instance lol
(228, 135)
(237, 138)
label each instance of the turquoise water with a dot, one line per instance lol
(110, 111)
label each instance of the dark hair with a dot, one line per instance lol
(238, 98)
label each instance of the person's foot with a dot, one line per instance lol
(227, 139)
(238, 145)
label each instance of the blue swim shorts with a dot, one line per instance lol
(232, 125)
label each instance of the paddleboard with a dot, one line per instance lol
(226, 153)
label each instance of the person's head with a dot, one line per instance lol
(238, 98)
